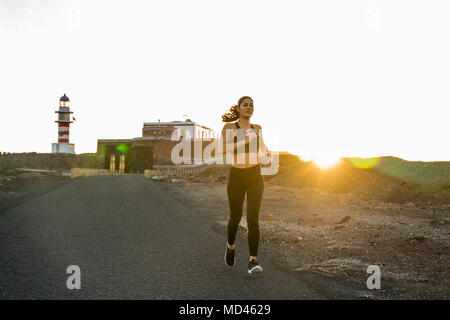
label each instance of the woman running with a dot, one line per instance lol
(243, 139)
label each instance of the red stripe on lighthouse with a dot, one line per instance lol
(63, 132)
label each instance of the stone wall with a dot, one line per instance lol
(57, 161)
(50, 161)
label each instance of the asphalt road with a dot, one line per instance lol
(131, 240)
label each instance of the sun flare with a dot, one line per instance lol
(326, 161)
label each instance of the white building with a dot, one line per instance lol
(186, 129)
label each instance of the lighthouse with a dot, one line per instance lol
(64, 121)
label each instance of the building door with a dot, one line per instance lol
(122, 164)
(112, 163)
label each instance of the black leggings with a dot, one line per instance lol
(240, 181)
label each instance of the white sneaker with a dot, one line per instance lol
(254, 267)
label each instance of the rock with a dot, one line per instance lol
(416, 239)
(149, 173)
(177, 180)
(344, 220)
(160, 177)
(221, 179)
(439, 222)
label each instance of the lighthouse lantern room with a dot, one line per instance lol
(64, 121)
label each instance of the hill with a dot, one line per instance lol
(388, 179)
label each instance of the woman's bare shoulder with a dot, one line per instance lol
(229, 125)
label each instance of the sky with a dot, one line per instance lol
(360, 78)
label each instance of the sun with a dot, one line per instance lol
(326, 161)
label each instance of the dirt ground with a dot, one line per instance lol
(18, 186)
(339, 235)
(316, 231)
